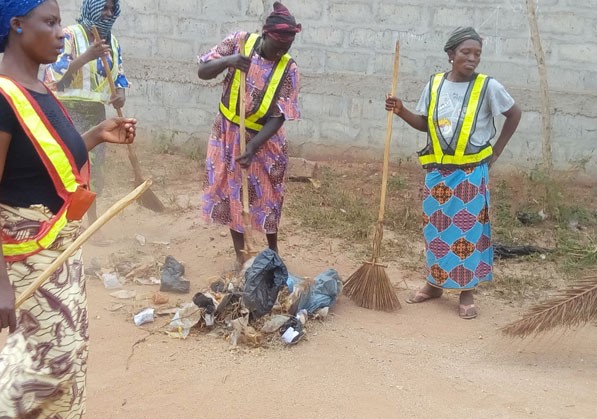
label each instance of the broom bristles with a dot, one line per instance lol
(370, 287)
(576, 305)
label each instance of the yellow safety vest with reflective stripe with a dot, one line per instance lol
(58, 160)
(255, 120)
(434, 154)
(89, 71)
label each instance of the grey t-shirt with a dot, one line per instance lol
(496, 101)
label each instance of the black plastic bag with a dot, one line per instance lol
(263, 281)
(171, 279)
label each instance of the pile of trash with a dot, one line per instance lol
(263, 304)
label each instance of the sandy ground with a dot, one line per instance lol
(422, 361)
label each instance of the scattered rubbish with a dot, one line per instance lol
(185, 317)
(116, 307)
(322, 313)
(145, 316)
(160, 299)
(507, 252)
(263, 281)
(203, 301)
(317, 294)
(218, 286)
(124, 294)
(172, 279)
(292, 331)
(94, 266)
(140, 239)
(149, 281)
(111, 280)
(274, 323)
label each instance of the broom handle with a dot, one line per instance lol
(241, 124)
(107, 216)
(386, 155)
(131, 152)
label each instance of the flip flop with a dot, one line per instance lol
(420, 297)
(467, 311)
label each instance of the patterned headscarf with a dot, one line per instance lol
(91, 14)
(10, 9)
(281, 25)
(460, 35)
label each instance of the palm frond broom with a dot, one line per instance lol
(369, 286)
(575, 306)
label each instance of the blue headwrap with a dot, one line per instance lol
(91, 14)
(10, 9)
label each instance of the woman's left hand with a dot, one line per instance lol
(117, 100)
(117, 130)
(246, 159)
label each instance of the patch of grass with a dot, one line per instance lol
(334, 209)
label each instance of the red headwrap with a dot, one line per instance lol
(281, 25)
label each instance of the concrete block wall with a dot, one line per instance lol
(345, 58)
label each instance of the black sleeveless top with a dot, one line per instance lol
(25, 180)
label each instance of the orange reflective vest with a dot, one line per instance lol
(255, 120)
(69, 183)
(434, 153)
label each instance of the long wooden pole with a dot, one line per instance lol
(107, 216)
(378, 236)
(248, 237)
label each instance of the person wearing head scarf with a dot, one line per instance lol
(271, 99)
(43, 195)
(80, 80)
(457, 110)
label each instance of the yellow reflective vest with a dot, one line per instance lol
(434, 153)
(255, 120)
(58, 160)
(94, 88)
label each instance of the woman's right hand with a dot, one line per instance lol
(393, 104)
(96, 50)
(240, 62)
(8, 316)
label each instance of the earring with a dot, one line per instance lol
(451, 61)
(19, 30)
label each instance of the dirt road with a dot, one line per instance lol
(422, 361)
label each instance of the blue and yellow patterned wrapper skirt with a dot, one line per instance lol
(456, 227)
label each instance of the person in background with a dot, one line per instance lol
(43, 195)
(457, 110)
(271, 100)
(80, 80)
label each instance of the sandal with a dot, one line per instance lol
(467, 311)
(420, 297)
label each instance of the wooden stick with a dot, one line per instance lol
(107, 216)
(248, 245)
(386, 156)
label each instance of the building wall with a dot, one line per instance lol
(345, 57)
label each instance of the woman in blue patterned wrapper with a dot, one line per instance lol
(457, 110)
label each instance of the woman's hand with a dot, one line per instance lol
(246, 159)
(117, 100)
(115, 130)
(393, 104)
(96, 50)
(240, 62)
(8, 316)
